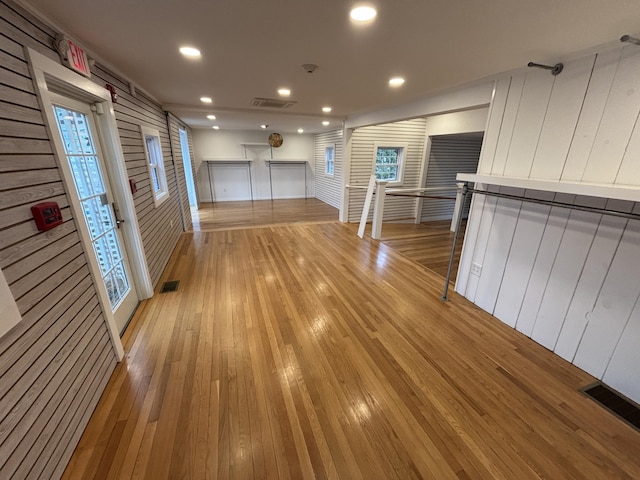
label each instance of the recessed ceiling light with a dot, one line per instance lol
(264, 125)
(211, 117)
(326, 109)
(325, 123)
(190, 52)
(396, 81)
(216, 127)
(363, 13)
(300, 130)
(284, 92)
(206, 99)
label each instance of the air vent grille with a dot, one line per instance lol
(271, 103)
(171, 286)
(615, 403)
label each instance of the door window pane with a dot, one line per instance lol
(82, 155)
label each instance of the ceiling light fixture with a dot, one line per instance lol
(216, 127)
(284, 92)
(326, 109)
(363, 13)
(190, 52)
(206, 99)
(264, 126)
(300, 130)
(325, 123)
(396, 81)
(211, 117)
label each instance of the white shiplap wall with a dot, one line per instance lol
(568, 279)
(410, 132)
(329, 188)
(448, 156)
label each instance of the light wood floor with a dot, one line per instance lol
(248, 214)
(428, 244)
(302, 352)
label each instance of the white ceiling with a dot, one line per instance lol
(252, 47)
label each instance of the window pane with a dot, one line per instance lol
(154, 177)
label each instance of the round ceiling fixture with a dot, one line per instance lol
(275, 140)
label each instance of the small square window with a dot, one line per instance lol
(329, 160)
(389, 163)
(155, 164)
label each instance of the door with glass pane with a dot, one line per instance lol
(90, 177)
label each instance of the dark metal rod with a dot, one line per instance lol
(553, 203)
(465, 192)
(210, 182)
(630, 39)
(555, 69)
(437, 197)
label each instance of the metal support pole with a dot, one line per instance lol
(210, 182)
(270, 181)
(458, 212)
(250, 180)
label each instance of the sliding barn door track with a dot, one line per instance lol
(615, 403)
(171, 286)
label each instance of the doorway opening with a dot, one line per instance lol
(188, 169)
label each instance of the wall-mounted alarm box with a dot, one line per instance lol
(133, 186)
(47, 215)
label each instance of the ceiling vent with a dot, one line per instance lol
(271, 103)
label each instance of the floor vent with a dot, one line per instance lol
(171, 286)
(615, 403)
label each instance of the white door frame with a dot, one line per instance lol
(49, 74)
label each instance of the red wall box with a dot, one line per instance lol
(47, 215)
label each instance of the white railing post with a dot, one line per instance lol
(457, 209)
(366, 206)
(378, 210)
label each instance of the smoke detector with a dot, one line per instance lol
(310, 67)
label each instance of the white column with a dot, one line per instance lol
(457, 210)
(378, 210)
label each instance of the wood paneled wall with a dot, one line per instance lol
(411, 132)
(448, 156)
(329, 189)
(568, 279)
(159, 227)
(55, 362)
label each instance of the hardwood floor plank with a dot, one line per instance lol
(301, 351)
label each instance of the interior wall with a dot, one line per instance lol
(329, 188)
(448, 156)
(568, 279)
(55, 361)
(231, 182)
(363, 140)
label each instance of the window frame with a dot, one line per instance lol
(330, 147)
(155, 163)
(402, 156)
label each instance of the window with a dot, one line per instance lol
(155, 164)
(389, 164)
(329, 160)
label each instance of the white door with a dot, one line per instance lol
(82, 150)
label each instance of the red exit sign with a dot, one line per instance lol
(75, 57)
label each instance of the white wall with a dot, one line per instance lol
(9, 314)
(231, 182)
(568, 279)
(329, 187)
(362, 160)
